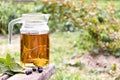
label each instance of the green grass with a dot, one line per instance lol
(61, 52)
(3, 41)
(62, 47)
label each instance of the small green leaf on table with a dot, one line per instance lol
(9, 66)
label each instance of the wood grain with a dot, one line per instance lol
(45, 75)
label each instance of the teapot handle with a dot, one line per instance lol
(10, 28)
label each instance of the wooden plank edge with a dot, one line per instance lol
(45, 75)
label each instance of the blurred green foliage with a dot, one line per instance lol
(10, 11)
(98, 26)
(59, 9)
(101, 26)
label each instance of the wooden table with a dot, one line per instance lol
(45, 75)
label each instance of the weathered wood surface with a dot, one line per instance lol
(4, 77)
(45, 75)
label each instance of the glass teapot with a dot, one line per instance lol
(34, 38)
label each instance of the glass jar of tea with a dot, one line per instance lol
(34, 39)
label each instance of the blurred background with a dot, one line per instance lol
(80, 31)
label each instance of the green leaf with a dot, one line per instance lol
(114, 67)
(15, 67)
(9, 66)
(105, 37)
(3, 68)
(2, 60)
(9, 72)
(9, 60)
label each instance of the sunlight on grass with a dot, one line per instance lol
(3, 42)
(61, 52)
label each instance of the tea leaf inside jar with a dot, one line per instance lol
(40, 62)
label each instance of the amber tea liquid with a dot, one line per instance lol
(35, 49)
